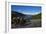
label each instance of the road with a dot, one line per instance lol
(32, 23)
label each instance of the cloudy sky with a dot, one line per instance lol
(30, 10)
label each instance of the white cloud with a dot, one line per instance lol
(31, 13)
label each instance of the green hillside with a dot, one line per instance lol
(38, 16)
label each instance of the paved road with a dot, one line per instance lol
(32, 23)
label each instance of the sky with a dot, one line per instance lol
(30, 10)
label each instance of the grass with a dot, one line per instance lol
(38, 16)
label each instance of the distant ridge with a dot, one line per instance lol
(38, 16)
(15, 13)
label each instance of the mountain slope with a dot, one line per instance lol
(38, 16)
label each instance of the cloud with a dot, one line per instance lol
(31, 13)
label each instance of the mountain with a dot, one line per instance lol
(24, 18)
(38, 16)
(17, 14)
